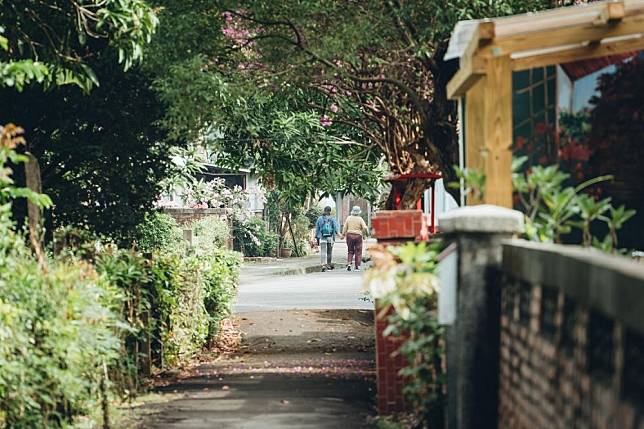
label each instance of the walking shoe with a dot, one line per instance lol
(348, 267)
(323, 268)
(331, 267)
(356, 269)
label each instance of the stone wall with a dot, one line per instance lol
(572, 343)
(185, 217)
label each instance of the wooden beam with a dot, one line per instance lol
(466, 77)
(529, 40)
(482, 35)
(579, 53)
(612, 13)
(471, 69)
(497, 156)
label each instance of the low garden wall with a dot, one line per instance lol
(186, 217)
(572, 338)
(544, 335)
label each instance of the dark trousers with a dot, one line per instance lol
(354, 243)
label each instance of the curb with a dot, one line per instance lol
(303, 270)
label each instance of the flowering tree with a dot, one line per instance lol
(378, 66)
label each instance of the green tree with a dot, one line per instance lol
(50, 41)
(273, 131)
(102, 157)
(378, 63)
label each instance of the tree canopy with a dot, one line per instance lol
(50, 41)
(102, 156)
(378, 65)
(275, 130)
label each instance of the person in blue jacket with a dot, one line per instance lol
(326, 228)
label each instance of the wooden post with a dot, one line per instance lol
(488, 131)
(475, 125)
(498, 137)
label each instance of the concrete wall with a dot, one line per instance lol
(186, 217)
(545, 336)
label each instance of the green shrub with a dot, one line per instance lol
(221, 276)
(189, 319)
(404, 277)
(158, 232)
(252, 238)
(58, 328)
(164, 298)
(301, 232)
(212, 232)
(177, 299)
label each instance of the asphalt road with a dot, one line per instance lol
(337, 289)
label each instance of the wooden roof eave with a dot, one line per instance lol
(552, 37)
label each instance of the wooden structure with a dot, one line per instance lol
(490, 50)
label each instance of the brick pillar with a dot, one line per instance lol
(473, 339)
(392, 227)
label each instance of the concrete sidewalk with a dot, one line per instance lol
(300, 265)
(297, 369)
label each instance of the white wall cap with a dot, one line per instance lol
(482, 218)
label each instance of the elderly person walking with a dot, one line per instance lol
(326, 228)
(354, 227)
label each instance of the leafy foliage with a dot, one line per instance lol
(58, 323)
(553, 209)
(58, 330)
(221, 276)
(405, 277)
(102, 158)
(50, 42)
(273, 133)
(73, 328)
(214, 194)
(473, 181)
(252, 238)
(377, 66)
(159, 231)
(212, 233)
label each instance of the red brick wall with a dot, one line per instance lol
(388, 364)
(392, 227)
(402, 225)
(562, 365)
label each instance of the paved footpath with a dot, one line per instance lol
(305, 359)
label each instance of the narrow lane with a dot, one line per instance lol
(306, 360)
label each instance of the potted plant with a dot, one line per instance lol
(286, 251)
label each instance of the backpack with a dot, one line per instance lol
(327, 227)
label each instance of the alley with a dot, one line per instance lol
(305, 360)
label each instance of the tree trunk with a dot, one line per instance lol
(443, 115)
(34, 183)
(409, 193)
